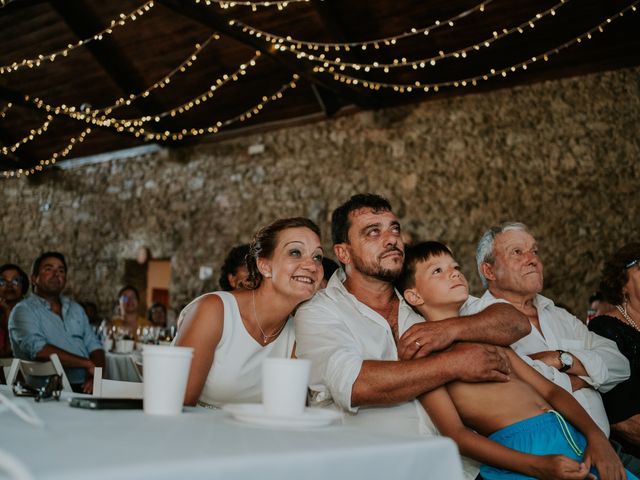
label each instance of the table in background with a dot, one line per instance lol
(119, 366)
(127, 444)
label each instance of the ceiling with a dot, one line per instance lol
(186, 71)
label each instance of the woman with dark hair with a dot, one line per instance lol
(233, 332)
(128, 319)
(234, 269)
(14, 285)
(620, 286)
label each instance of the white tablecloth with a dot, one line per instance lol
(119, 366)
(78, 444)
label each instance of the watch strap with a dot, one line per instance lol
(564, 366)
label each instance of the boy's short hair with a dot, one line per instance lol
(414, 254)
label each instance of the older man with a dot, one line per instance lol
(559, 345)
(49, 322)
(350, 330)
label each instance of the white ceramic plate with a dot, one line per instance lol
(254, 413)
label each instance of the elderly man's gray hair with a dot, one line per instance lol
(484, 250)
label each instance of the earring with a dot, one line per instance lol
(267, 275)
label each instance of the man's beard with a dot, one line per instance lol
(376, 270)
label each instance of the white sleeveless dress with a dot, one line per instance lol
(236, 373)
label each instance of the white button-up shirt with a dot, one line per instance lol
(605, 365)
(337, 333)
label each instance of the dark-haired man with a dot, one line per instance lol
(350, 330)
(48, 322)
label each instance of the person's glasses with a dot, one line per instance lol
(16, 282)
(632, 263)
(51, 389)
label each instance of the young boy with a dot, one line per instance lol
(518, 423)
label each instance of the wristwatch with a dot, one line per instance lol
(566, 360)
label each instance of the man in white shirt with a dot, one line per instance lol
(559, 346)
(350, 330)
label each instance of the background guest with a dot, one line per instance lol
(128, 319)
(14, 285)
(91, 309)
(233, 332)
(597, 306)
(620, 286)
(234, 269)
(157, 315)
(329, 266)
(49, 322)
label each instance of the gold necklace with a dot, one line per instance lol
(623, 310)
(265, 337)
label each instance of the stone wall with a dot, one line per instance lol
(561, 156)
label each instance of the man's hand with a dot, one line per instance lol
(424, 338)
(600, 453)
(577, 383)
(552, 467)
(87, 386)
(479, 362)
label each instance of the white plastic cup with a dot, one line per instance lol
(125, 346)
(166, 371)
(284, 386)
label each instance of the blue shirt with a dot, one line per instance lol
(32, 325)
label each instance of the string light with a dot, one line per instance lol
(50, 161)
(424, 62)
(224, 4)
(212, 129)
(32, 134)
(347, 46)
(120, 102)
(41, 59)
(215, 128)
(5, 109)
(473, 81)
(163, 82)
(198, 99)
(131, 125)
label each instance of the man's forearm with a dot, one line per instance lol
(498, 324)
(67, 359)
(97, 357)
(391, 382)
(629, 429)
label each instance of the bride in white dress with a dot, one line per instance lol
(233, 332)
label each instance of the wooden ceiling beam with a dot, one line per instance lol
(205, 15)
(84, 23)
(330, 20)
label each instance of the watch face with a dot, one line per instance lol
(566, 359)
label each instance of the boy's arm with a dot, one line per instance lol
(598, 451)
(442, 411)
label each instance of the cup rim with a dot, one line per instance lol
(167, 350)
(290, 361)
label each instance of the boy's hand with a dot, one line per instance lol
(552, 467)
(600, 453)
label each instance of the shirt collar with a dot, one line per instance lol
(539, 301)
(337, 291)
(64, 301)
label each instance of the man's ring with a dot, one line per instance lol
(418, 343)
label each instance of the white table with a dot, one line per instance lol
(208, 444)
(119, 366)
